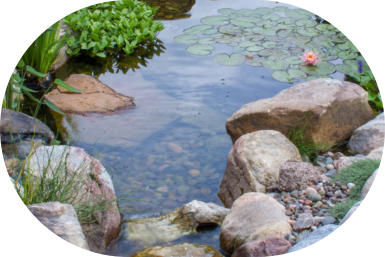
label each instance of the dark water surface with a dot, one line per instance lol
(172, 148)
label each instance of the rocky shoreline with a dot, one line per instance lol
(277, 199)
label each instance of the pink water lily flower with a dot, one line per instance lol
(310, 58)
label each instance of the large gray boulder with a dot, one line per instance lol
(368, 137)
(91, 185)
(327, 110)
(314, 237)
(254, 162)
(253, 216)
(62, 220)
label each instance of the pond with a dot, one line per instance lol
(172, 148)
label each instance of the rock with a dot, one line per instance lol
(180, 222)
(204, 213)
(95, 96)
(12, 164)
(194, 172)
(328, 220)
(368, 137)
(327, 110)
(350, 212)
(253, 163)
(350, 185)
(253, 216)
(20, 133)
(368, 184)
(295, 175)
(314, 197)
(62, 220)
(346, 161)
(313, 237)
(92, 186)
(261, 248)
(304, 221)
(179, 250)
(175, 147)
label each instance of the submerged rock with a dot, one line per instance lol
(95, 96)
(180, 222)
(92, 186)
(62, 220)
(253, 163)
(368, 137)
(327, 111)
(179, 250)
(253, 216)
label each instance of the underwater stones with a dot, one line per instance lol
(368, 137)
(253, 163)
(62, 220)
(253, 216)
(180, 222)
(95, 96)
(179, 250)
(327, 111)
(92, 185)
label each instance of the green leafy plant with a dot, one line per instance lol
(117, 26)
(358, 173)
(365, 78)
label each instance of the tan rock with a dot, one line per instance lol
(328, 110)
(253, 216)
(368, 184)
(261, 248)
(346, 161)
(254, 162)
(179, 250)
(95, 96)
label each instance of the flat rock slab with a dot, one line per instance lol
(327, 110)
(253, 163)
(253, 216)
(62, 220)
(179, 250)
(95, 97)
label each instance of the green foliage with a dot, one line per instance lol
(304, 145)
(358, 173)
(112, 26)
(41, 55)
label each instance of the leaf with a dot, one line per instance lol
(309, 32)
(232, 60)
(215, 20)
(186, 39)
(305, 23)
(275, 64)
(197, 29)
(321, 69)
(243, 22)
(64, 85)
(281, 76)
(53, 107)
(269, 44)
(296, 74)
(35, 72)
(200, 49)
(226, 11)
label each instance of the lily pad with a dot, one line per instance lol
(305, 23)
(281, 76)
(275, 64)
(246, 12)
(280, 8)
(200, 49)
(269, 44)
(293, 60)
(242, 22)
(226, 11)
(321, 69)
(255, 61)
(206, 41)
(246, 44)
(309, 32)
(296, 74)
(263, 11)
(347, 46)
(348, 67)
(197, 29)
(230, 29)
(209, 31)
(229, 60)
(298, 13)
(327, 29)
(272, 16)
(346, 55)
(254, 48)
(186, 39)
(265, 31)
(215, 20)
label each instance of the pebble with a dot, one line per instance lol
(330, 173)
(162, 189)
(351, 185)
(175, 147)
(330, 166)
(328, 220)
(194, 172)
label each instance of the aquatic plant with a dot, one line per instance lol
(358, 173)
(310, 58)
(274, 38)
(116, 26)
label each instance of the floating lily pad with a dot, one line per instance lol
(246, 12)
(309, 32)
(272, 16)
(293, 60)
(305, 23)
(215, 20)
(300, 40)
(321, 69)
(265, 31)
(229, 60)
(197, 29)
(281, 76)
(296, 74)
(348, 67)
(280, 8)
(275, 64)
(230, 29)
(266, 24)
(206, 41)
(327, 29)
(284, 33)
(254, 48)
(209, 31)
(226, 11)
(347, 46)
(255, 61)
(186, 39)
(200, 49)
(242, 22)
(246, 44)
(263, 11)
(347, 55)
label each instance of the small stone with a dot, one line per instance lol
(308, 202)
(330, 173)
(328, 220)
(314, 197)
(351, 185)
(313, 228)
(329, 161)
(304, 221)
(162, 189)
(175, 147)
(194, 172)
(330, 166)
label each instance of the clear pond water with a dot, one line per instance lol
(172, 148)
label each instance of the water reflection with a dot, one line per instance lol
(171, 9)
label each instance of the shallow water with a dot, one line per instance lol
(172, 148)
